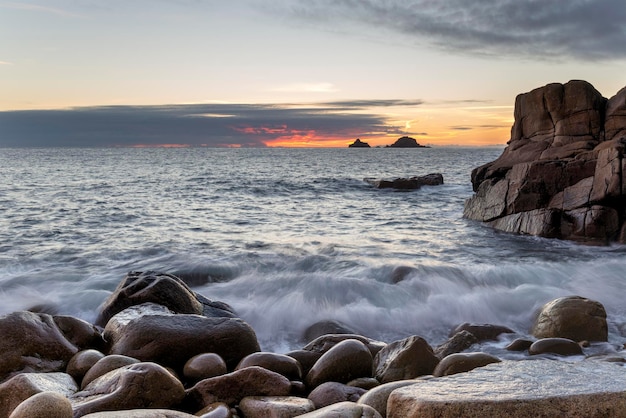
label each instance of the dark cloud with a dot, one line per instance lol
(198, 124)
(580, 29)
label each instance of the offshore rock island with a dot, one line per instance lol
(562, 173)
(403, 142)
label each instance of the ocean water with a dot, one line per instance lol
(288, 237)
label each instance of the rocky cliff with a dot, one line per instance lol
(562, 173)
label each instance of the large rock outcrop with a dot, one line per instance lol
(561, 175)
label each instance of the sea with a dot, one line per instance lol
(288, 237)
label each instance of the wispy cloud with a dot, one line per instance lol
(200, 124)
(5, 63)
(37, 8)
(578, 29)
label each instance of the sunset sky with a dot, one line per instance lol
(291, 72)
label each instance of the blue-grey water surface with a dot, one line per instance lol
(288, 237)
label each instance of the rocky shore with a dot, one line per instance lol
(159, 349)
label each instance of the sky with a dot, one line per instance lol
(306, 73)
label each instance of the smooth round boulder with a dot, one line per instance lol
(572, 317)
(138, 386)
(279, 363)
(233, 387)
(274, 406)
(326, 342)
(377, 397)
(215, 410)
(105, 365)
(347, 360)
(333, 392)
(404, 359)
(81, 362)
(153, 333)
(44, 405)
(519, 344)
(32, 342)
(366, 383)
(463, 362)
(305, 358)
(141, 413)
(79, 332)
(326, 327)
(343, 409)
(483, 332)
(204, 366)
(559, 346)
(20, 387)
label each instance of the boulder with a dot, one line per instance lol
(345, 361)
(519, 344)
(404, 359)
(572, 317)
(279, 363)
(460, 341)
(151, 332)
(559, 346)
(105, 365)
(216, 410)
(233, 387)
(44, 405)
(333, 392)
(141, 385)
(144, 413)
(274, 406)
(366, 383)
(463, 362)
(326, 327)
(562, 173)
(410, 183)
(343, 409)
(161, 289)
(23, 386)
(305, 358)
(377, 397)
(204, 366)
(326, 342)
(518, 389)
(483, 332)
(80, 333)
(32, 342)
(81, 362)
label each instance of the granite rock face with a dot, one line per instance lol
(561, 175)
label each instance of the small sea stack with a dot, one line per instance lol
(406, 142)
(359, 144)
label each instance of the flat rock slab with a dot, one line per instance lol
(531, 388)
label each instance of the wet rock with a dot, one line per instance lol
(141, 413)
(141, 385)
(377, 397)
(150, 332)
(343, 409)
(279, 363)
(216, 410)
(233, 387)
(519, 344)
(560, 346)
(366, 383)
(345, 361)
(572, 317)
(22, 386)
(44, 405)
(105, 365)
(80, 333)
(518, 389)
(483, 332)
(274, 406)
(333, 392)
(81, 362)
(326, 327)
(326, 342)
(460, 341)
(162, 289)
(411, 183)
(305, 358)
(463, 362)
(204, 366)
(32, 343)
(404, 359)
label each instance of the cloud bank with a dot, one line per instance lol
(556, 29)
(243, 125)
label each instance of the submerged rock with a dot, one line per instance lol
(411, 183)
(561, 175)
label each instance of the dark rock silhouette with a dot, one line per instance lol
(562, 173)
(359, 144)
(406, 142)
(411, 183)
